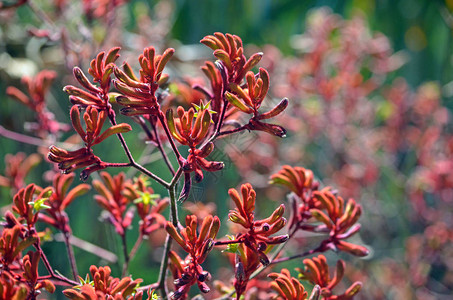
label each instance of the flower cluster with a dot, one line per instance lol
(226, 83)
(17, 168)
(249, 100)
(101, 69)
(301, 182)
(149, 205)
(338, 217)
(316, 271)
(287, 287)
(19, 275)
(255, 242)
(111, 198)
(229, 50)
(104, 286)
(38, 87)
(60, 199)
(190, 129)
(139, 94)
(198, 245)
(69, 161)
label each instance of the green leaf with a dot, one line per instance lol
(231, 248)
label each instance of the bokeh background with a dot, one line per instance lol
(370, 84)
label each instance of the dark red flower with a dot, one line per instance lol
(149, 205)
(198, 245)
(287, 287)
(101, 68)
(113, 201)
(316, 271)
(104, 286)
(38, 87)
(139, 94)
(69, 161)
(254, 243)
(61, 197)
(17, 168)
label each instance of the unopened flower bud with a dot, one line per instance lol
(261, 246)
(204, 288)
(239, 273)
(203, 276)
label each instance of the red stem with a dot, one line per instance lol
(49, 268)
(125, 253)
(70, 252)
(131, 159)
(161, 149)
(26, 139)
(228, 242)
(306, 253)
(170, 138)
(226, 132)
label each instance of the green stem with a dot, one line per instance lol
(70, 252)
(174, 219)
(125, 253)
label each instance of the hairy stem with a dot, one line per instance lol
(175, 221)
(125, 253)
(155, 138)
(228, 242)
(131, 159)
(306, 253)
(226, 132)
(117, 165)
(169, 137)
(49, 268)
(161, 149)
(219, 124)
(131, 254)
(163, 269)
(31, 140)
(71, 256)
(136, 247)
